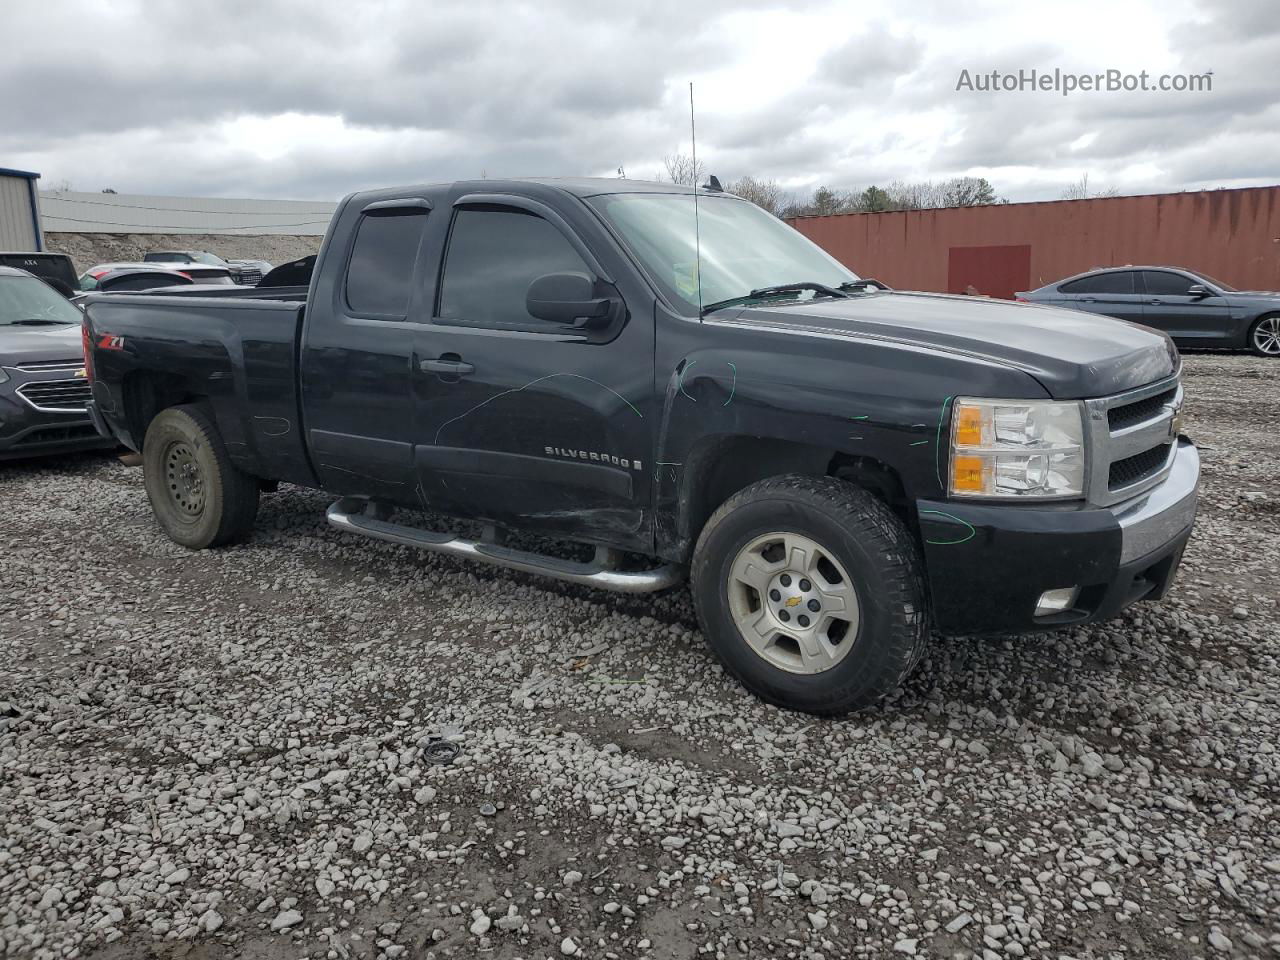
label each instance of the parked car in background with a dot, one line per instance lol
(248, 275)
(251, 271)
(1194, 309)
(140, 280)
(116, 277)
(55, 269)
(43, 387)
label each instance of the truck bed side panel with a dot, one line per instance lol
(239, 355)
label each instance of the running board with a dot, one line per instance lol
(358, 515)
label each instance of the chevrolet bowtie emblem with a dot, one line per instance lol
(793, 601)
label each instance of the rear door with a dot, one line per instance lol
(521, 421)
(1170, 307)
(1112, 294)
(357, 354)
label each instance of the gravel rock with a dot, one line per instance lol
(286, 919)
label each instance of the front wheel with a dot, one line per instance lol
(198, 496)
(810, 592)
(1264, 336)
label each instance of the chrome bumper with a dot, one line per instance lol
(1154, 518)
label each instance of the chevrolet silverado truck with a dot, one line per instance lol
(680, 377)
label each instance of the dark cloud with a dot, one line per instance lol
(873, 55)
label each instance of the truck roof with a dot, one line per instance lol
(577, 186)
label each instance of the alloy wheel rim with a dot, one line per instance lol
(793, 602)
(184, 480)
(1266, 336)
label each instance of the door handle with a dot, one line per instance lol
(448, 365)
(1155, 303)
(1089, 299)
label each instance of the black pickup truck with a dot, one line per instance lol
(836, 466)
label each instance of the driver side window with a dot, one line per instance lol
(494, 254)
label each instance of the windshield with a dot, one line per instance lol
(23, 299)
(742, 247)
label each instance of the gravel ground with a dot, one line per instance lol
(233, 753)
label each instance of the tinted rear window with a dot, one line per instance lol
(1168, 284)
(143, 281)
(381, 269)
(208, 276)
(1118, 282)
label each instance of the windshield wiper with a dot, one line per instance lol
(38, 322)
(761, 292)
(866, 283)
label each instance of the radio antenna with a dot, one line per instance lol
(697, 226)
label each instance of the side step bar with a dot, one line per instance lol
(358, 515)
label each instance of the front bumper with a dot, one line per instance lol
(988, 564)
(27, 432)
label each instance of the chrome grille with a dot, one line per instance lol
(51, 366)
(57, 396)
(1131, 470)
(1140, 411)
(1131, 438)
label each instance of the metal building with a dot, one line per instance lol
(1232, 235)
(19, 211)
(68, 211)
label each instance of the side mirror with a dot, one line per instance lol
(1199, 291)
(568, 298)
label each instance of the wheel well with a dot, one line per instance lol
(720, 469)
(146, 393)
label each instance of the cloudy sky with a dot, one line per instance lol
(313, 99)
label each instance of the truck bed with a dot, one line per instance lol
(238, 354)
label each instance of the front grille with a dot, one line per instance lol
(51, 366)
(1130, 439)
(57, 395)
(1140, 411)
(1135, 469)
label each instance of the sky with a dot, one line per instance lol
(312, 100)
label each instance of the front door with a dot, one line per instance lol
(1170, 307)
(521, 421)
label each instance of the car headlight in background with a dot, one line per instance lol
(1016, 448)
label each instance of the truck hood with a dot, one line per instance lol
(39, 344)
(1072, 354)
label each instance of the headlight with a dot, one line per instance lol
(1016, 448)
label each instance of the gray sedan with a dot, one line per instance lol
(1194, 309)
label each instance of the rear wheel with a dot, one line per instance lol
(809, 590)
(1264, 336)
(198, 496)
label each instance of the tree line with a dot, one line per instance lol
(895, 195)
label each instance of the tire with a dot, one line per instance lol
(1264, 336)
(199, 498)
(857, 546)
